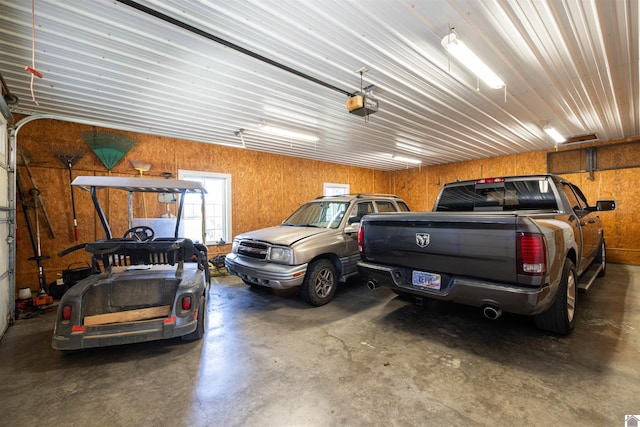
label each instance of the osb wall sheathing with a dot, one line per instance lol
(266, 188)
(420, 188)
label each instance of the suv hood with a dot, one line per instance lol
(282, 235)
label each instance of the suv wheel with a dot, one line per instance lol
(320, 282)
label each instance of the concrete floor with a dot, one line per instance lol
(368, 358)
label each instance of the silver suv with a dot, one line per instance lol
(315, 247)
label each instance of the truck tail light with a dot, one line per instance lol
(186, 303)
(361, 238)
(532, 254)
(489, 180)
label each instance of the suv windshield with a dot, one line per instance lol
(318, 214)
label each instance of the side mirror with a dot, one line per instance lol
(606, 205)
(352, 228)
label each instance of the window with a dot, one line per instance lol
(577, 200)
(324, 214)
(385, 206)
(498, 196)
(335, 189)
(359, 210)
(217, 207)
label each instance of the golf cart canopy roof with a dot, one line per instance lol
(147, 185)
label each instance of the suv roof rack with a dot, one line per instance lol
(359, 195)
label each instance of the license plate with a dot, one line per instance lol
(426, 280)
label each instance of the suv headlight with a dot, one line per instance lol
(234, 246)
(280, 254)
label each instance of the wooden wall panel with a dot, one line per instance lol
(266, 188)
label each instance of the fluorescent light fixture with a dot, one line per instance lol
(554, 134)
(288, 133)
(406, 159)
(469, 59)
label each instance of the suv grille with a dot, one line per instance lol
(253, 249)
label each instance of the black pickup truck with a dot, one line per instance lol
(522, 244)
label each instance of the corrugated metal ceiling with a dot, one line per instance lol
(571, 63)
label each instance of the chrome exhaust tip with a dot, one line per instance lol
(372, 284)
(491, 312)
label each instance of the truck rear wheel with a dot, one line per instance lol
(320, 282)
(560, 318)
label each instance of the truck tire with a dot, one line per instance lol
(601, 258)
(202, 321)
(320, 282)
(560, 318)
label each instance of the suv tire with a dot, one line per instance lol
(320, 282)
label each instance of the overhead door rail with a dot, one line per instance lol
(228, 44)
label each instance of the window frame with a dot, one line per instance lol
(327, 188)
(192, 175)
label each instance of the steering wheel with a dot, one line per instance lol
(141, 233)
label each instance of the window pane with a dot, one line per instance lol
(335, 189)
(217, 207)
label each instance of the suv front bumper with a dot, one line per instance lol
(269, 274)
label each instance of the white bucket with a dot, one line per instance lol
(24, 293)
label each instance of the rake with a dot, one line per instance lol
(109, 147)
(69, 157)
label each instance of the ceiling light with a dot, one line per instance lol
(288, 133)
(462, 53)
(554, 134)
(406, 159)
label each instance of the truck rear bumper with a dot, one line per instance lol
(477, 293)
(272, 275)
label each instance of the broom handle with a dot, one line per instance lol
(144, 201)
(73, 201)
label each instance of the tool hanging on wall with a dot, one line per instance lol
(35, 199)
(24, 158)
(69, 157)
(110, 148)
(141, 167)
(34, 237)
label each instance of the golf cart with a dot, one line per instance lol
(147, 285)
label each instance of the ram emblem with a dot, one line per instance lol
(422, 239)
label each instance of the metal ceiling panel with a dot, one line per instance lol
(204, 70)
